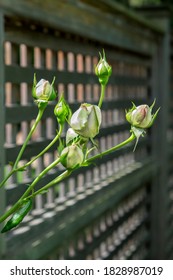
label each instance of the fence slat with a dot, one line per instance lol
(2, 122)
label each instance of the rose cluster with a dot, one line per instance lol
(73, 149)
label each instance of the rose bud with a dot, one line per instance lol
(72, 157)
(141, 116)
(86, 120)
(43, 91)
(62, 111)
(103, 70)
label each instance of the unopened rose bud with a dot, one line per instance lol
(72, 157)
(62, 111)
(103, 70)
(43, 91)
(86, 120)
(141, 116)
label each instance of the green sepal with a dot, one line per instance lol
(129, 112)
(61, 145)
(95, 144)
(34, 86)
(62, 111)
(138, 132)
(103, 70)
(154, 117)
(53, 94)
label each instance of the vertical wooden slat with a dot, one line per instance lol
(2, 122)
(159, 197)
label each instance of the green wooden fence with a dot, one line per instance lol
(121, 207)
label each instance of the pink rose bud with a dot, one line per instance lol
(141, 116)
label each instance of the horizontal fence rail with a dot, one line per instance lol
(106, 210)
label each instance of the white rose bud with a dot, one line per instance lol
(71, 157)
(86, 120)
(43, 91)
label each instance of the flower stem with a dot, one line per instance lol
(14, 168)
(103, 87)
(29, 189)
(7, 177)
(130, 139)
(61, 177)
(66, 173)
(47, 147)
(58, 179)
(40, 113)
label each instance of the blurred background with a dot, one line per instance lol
(121, 207)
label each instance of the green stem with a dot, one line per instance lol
(29, 189)
(103, 87)
(130, 139)
(15, 169)
(58, 179)
(40, 113)
(46, 149)
(7, 177)
(61, 177)
(36, 157)
(68, 172)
